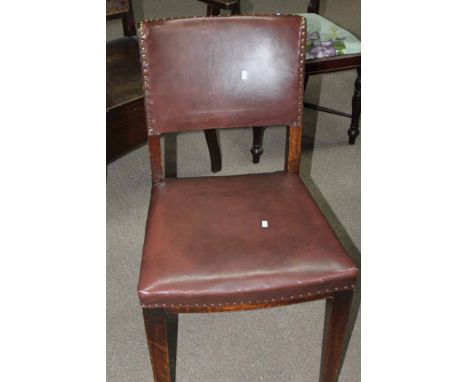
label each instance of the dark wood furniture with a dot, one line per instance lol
(212, 244)
(313, 67)
(125, 116)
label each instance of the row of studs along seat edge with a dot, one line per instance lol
(245, 302)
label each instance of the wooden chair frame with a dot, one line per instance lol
(161, 324)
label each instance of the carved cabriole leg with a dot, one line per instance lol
(257, 145)
(336, 320)
(161, 335)
(353, 131)
(213, 147)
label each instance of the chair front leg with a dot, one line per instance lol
(336, 322)
(257, 145)
(353, 131)
(161, 335)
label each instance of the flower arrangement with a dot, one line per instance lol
(324, 45)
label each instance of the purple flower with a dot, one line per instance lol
(322, 49)
(327, 44)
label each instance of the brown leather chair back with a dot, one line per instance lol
(222, 72)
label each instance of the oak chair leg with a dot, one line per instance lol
(161, 335)
(214, 149)
(257, 145)
(353, 131)
(336, 322)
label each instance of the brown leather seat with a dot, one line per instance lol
(205, 244)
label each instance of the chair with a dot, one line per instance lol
(344, 60)
(211, 243)
(125, 115)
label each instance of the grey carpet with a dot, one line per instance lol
(275, 345)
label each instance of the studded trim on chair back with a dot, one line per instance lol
(222, 72)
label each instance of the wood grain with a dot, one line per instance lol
(161, 328)
(294, 135)
(154, 146)
(336, 320)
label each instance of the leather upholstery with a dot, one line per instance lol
(205, 245)
(222, 72)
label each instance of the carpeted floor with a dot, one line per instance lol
(274, 345)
